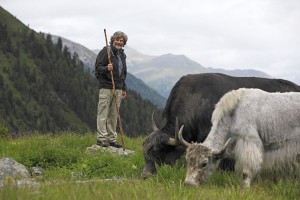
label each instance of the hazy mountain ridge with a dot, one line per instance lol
(162, 72)
(135, 57)
(85, 55)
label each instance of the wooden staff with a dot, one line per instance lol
(114, 91)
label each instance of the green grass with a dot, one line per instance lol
(70, 173)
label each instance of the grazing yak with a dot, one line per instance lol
(192, 100)
(262, 131)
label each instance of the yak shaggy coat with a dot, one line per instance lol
(264, 133)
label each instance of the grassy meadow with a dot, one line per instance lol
(70, 173)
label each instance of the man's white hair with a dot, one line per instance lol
(118, 34)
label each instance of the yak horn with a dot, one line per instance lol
(172, 141)
(182, 141)
(154, 127)
(220, 153)
(176, 130)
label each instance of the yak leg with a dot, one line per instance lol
(249, 157)
(247, 176)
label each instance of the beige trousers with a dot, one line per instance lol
(107, 115)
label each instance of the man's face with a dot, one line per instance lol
(118, 43)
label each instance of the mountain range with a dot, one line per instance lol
(154, 76)
(162, 72)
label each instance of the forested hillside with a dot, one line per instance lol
(44, 88)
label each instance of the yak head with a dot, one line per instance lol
(201, 161)
(159, 148)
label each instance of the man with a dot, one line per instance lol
(107, 113)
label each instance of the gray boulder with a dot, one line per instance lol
(119, 151)
(14, 173)
(10, 167)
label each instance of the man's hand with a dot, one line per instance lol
(123, 94)
(110, 67)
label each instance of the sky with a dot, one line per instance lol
(228, 34)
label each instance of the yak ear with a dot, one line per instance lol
(221, 154)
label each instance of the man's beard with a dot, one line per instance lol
(118, 47)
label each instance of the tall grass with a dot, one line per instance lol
(70, 173)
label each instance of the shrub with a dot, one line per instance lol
(4, 132)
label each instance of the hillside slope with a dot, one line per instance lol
(44, 87)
